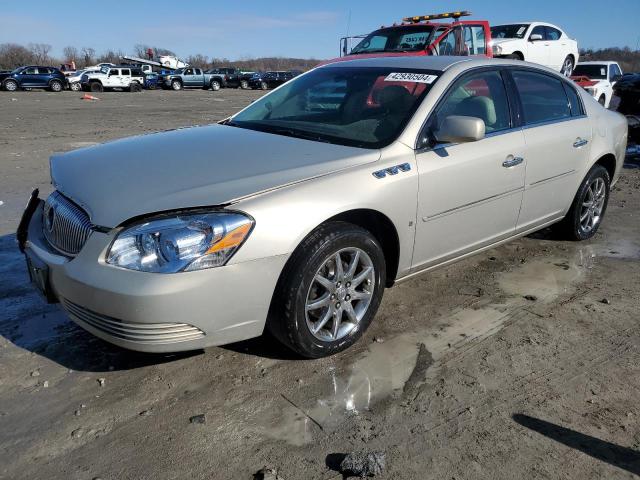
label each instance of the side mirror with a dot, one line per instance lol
(460, 129)
(536, 37)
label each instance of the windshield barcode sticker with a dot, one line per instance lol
(411, 77)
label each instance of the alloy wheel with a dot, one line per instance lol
(340, 294)
(592, 205)
(567, 68)
(11, 86)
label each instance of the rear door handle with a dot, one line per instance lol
(512, 162)
(580, 142)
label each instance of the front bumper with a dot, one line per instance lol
(152, 312)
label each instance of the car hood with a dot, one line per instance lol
(191, 167)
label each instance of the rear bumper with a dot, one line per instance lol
(157, 312)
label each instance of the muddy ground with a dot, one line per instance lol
(459, 377)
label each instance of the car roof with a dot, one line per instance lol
(422, 62)
(595, 62)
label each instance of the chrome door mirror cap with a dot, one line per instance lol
(536, 37)
(460, 129)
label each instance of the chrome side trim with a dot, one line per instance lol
(552, 122)
(472, 204)
(538, 182)
(450, 260)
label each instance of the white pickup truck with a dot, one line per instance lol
(598, 78)
(121, 77)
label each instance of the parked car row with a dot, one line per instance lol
(133, 78)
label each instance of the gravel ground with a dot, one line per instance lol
(460, 376)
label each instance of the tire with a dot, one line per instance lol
(291, 321)
(11, 85)
(567, 66)
(75, 87)
(573, 226)
(176, 85)
(514, 56)
(96, 87)
(264, 86)
(244, 85)
(215, 85)
(56, 86)
(135, 87)
(602, 100)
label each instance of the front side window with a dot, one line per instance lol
(474, 40)
(114, 72)
(30, 71)
(543, 97)
(447, 46)
(399, 39)
(481, 95)
(365, 107)
(539, 30)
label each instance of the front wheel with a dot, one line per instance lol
(264, 86)
(11, 85)
(567, 66)
(244, 84)
(176, 85)
(96, 87)
(329, 291)
(588, 207)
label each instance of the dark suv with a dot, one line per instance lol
(35, 77)
(272, 79)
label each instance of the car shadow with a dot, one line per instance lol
(616, 455)
(30, 323)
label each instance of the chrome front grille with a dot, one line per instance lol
(146, 333)
(64, 224)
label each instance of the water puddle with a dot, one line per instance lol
(385, 369)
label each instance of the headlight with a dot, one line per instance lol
(497, 50)
(181, 243)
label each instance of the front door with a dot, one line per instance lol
(469, 193)
(28, 77)
(558, 137)
(538, 50)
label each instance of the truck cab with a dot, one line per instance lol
(420, 35)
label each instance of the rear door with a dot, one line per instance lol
(557, 135)
(470, 193)
(125, 77)
(558, 49)
(538, 50)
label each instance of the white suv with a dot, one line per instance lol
(536, 42)
(598, 78)
(129, 78)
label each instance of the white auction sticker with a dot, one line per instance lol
(410, 77)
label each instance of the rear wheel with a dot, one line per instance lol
(514, 56)
(602, 100)
(215, 85)
(329, 291)
(96, 87)
(176, 85)
(56, 86)
(264, 86)
(588, 207)
(135, 87)
(567, 66)
(11, 85)
(75, 87)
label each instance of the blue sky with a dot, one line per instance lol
(284, 28)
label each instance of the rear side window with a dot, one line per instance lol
(126, 71)
(543, 97)
(553, 33)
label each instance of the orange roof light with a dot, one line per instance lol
(437, 16)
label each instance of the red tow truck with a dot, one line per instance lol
(420, 35)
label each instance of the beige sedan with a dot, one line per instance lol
(296, 213)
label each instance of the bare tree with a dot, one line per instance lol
(40, 52)
(198, 60)
(71, 54)
(13, 56)
(110, 56)
(88, 55)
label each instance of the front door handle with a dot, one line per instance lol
(512, 161)
(580, 142)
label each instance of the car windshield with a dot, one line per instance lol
(591, 71)
(363, 107)
(397, 39)
(517, 30)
